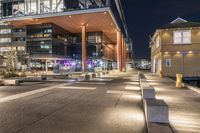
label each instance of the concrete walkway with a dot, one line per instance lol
(184, 104)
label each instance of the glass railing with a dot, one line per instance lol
(18, 8)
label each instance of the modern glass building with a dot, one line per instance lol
(69, 34)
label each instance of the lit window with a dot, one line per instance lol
(5, 31)
(5, 49)
(168, 63)
(182, 37)
(5, 40)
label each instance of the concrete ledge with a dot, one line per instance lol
(148, 93)
(156, 111)
(159, 128)
(11, 82)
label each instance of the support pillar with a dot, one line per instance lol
(119, 50)
(46, 66)
(84, 65)
(124, 54)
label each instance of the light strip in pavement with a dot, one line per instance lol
(129, 87)
(95, 83)
(119, 92)
(101, 79)
(77, 88)
(20, 95)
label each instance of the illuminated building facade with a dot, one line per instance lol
(75, 34)
(175, 49)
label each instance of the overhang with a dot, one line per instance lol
(95, 19)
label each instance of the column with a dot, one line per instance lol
(119, 50)
(84, 65)
(125, 55)
(46, 66)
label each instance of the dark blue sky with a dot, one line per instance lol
(144, 16)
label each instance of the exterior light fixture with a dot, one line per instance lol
(190, 52)
(105, 12)
(70, 16)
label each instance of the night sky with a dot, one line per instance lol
(144, 16)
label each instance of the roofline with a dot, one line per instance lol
(178, 19)
(76, 12)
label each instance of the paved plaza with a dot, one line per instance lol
(111, 104)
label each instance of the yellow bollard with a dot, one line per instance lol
(161, 74)
(179, 80)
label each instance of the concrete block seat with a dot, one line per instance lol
(11, 82)
(141, 76)
(87, 76)
(148, 93)
(93, 75)
(99, 74)
(156, 111)
(159, 128)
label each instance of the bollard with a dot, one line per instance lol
(179, 80)
(161, 74)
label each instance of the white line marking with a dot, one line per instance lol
(20, 95)
(77, 88)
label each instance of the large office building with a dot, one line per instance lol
(71, 34)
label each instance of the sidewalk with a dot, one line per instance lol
(184, 104)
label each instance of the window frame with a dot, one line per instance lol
(182, 37)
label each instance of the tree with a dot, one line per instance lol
(11, 60)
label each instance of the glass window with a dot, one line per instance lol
(5, 31)
(5, 49)
(5, 40)
(186, 36)
(182, 37)
(168, 63)
(21, 48)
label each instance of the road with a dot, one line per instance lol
(111, 104)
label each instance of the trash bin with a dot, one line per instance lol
(179, 80)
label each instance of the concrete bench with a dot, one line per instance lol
(156, 111)
(159, 128)
(148, 93)
(100, 74)
(87, 77)
(103, 73)
(11, 82)
(93, 75)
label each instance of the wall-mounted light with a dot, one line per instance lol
(190, 52)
